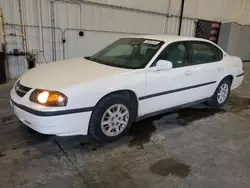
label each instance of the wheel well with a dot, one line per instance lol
(229, 77)
(129, 94)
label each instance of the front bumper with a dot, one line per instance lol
(61, 123)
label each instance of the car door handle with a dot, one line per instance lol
(189, 73)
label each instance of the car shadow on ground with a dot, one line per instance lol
(141, 132)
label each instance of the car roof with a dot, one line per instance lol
(169, 38)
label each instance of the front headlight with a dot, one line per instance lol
(48, 98)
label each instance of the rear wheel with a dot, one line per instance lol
(111, 118)
(221, 94)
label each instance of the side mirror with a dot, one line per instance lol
(163, 65)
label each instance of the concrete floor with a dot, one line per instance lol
(197, 147)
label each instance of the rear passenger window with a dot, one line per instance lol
(205, 53)
(219, 53)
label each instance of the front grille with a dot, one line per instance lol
(21, 90)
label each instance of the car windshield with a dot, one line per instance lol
(131, 53)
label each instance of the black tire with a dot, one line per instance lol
(213, 101)
(95, 129)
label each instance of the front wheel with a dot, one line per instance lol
(111, 118)
(221, 94)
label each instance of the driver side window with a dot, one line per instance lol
(176, 53)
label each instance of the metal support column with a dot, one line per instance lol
(181, 16)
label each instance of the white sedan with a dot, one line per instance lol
(131, 79)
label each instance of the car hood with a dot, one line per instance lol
(64, 74)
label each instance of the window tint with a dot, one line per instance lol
(147, 48)
(219, 54)
(205, 53)
(147, 51)
(120, 50)
(175, 53)
(131, 53)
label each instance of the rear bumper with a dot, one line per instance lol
(52, 122)
(237, 81)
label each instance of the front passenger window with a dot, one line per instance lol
(176, 54)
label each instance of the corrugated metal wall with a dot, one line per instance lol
(102, 24)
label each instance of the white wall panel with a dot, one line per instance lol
(172, 26)
(10, 10)
(31, 12)
(89, 44)
(150, 5)
(33, 42)
(16, 64)
(206, 9)
(109, 18)
(220, 10)
(188, 27)
(30, 8)
(105, 18)
(67, 15)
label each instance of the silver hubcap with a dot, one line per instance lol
(223, 93)
(115, 120)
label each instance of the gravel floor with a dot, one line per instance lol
(196, 147)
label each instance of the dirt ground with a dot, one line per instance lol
(195, 147)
